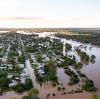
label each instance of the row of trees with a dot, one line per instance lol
(74, 79)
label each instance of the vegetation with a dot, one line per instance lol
(21, 59)
(29, 49)
(39, 57)
(92, 59)
(50, 71)
(68, 47)
(33, 94)
(28, 84)
(93, 38)
(83, 55)
(20, 87)
(25, 97)
(0, 50)
(94, 97)
(78, 65)
(38, 76)
(67, 61)
(74, 79)
(89, 86)
(4, 81)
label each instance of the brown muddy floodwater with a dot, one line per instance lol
(92, 70)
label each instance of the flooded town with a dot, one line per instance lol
(49, 49)
(48, 65)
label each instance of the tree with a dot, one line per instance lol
(20, 87)
(21, 59)
(50, 71)
(78, 65)
(33, 93)
(39, 57)
(92, 59)
(4, 81)
(89, 86)
(28, 84)
(17, 68)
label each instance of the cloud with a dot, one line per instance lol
(20, 21)
(22, 18)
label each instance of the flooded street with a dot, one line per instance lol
(30, 72)
(62, 77)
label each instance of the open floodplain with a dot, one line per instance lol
(49, 65)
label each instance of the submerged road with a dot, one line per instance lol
(29, 70)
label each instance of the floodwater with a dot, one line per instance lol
(62, 77)
(92, 71)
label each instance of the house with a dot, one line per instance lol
(3, 67)
(13, 83)
(9, 76)
(10, 66)
(4, 59)
(21, 66)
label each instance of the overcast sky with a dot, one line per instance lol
(50, 13)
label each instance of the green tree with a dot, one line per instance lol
(33, 93)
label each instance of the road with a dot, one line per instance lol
(29, 70)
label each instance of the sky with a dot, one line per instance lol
(49, 13)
